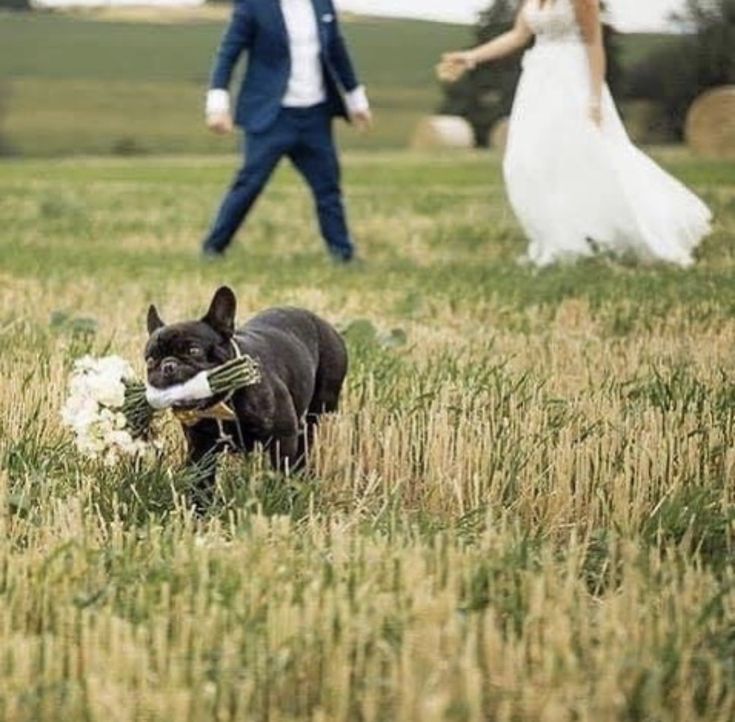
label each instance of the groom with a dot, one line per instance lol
(299, 76)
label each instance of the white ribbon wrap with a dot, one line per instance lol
(195, 389)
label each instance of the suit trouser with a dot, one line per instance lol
(304, 135)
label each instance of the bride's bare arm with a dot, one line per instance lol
(588, 17)
(506, 44)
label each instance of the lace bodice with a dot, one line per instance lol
(556, 21)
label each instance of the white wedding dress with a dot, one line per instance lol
(579, 189)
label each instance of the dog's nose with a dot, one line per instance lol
(168, 368)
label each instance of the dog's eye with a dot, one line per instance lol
(195, 350)
(150, 362)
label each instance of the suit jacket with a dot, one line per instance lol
(258, 27)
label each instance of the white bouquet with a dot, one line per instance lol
(110, 412)
(236, 374)
(95, 410)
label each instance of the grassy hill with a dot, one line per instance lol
(635, 48)
(129, 83)
(97, 87)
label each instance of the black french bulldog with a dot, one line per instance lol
(303, 362)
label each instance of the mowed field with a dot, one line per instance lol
(523, 511)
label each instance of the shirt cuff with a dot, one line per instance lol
(218, 102)
(357, 101)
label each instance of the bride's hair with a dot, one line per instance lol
(588, 17)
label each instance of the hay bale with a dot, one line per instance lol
(499, 135)
(443, 131)
(710, 126)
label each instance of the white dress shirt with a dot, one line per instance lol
(306, 86)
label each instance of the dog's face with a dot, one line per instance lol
(176, 353)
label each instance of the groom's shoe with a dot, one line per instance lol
(210, 255)
(353, 261)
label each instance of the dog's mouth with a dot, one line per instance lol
(161, 381)
(194, 405)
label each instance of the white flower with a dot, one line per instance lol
(79, 411)
(93, 410)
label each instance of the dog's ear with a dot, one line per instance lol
(221, 314)
(154, 320)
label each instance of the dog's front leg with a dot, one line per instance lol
(204, 446)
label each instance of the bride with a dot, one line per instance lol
(576, 182)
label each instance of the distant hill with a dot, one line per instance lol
(133, 81)
(128, 86)
(635, 47)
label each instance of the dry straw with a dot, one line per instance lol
(442, 131)
(710, 125)
(523, 514)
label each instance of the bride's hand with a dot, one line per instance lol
(454, 65)
(595, 112)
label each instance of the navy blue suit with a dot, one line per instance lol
(272, 132)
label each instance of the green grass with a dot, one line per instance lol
(98, 87)
(637, 47)
(524, 512)
(76, 85)
(391, 52)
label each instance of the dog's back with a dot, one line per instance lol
(296, 345)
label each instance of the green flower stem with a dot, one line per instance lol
(224, 379)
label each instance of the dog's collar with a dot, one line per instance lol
(235, 347)
(219, 412)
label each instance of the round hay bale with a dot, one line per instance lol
(499, 134)
(443, 131)
(710, 126)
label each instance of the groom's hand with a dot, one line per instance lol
(220, 123)
(362, 120)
